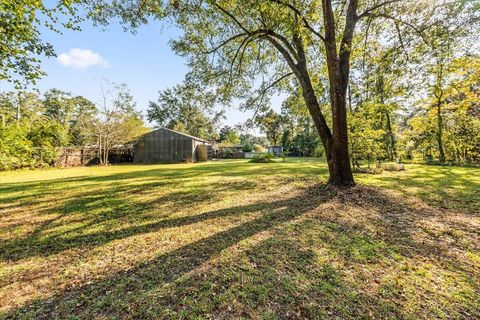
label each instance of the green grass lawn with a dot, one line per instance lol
(233, 239)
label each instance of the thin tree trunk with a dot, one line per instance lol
(105, 151)
(391, 148)
(441, 151)
(19, 114)
(100, 159)
(391, 137)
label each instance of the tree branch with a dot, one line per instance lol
(231, 16)
(225, 43)
(375, 7)
(304, 20)
(284, 52)
(264, 91)
(408, 24)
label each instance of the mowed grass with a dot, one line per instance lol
(232, 239)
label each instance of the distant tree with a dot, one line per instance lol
(58, 106)
(118, 123)
(247, 147)
(366, 133)
(70, 111)
(299, 136)
(29, 137)
(252, 139)
(228, 135)
(46, 137)
(187, 109)
(18, 105)
(272, 124)
(378, 87)
(459, 114)
(84, 113)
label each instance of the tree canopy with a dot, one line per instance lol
(186, 109)
(21, 45)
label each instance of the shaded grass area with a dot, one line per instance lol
(233, 239)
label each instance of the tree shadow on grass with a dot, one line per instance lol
(164, 172)
(107, 211)
(113, 199)
(359, 254)
(216, 170)
(108, 297)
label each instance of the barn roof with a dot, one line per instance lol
(183, 134)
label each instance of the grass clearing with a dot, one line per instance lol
(233, 239)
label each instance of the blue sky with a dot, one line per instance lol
(144, 61)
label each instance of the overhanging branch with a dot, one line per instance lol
(304, 20)
(375, 7)
(261, 95)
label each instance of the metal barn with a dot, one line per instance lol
(169, 146)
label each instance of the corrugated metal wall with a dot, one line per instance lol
(164, 146)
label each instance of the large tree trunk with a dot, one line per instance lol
(335, 141)
(338, 65)
(335, 145)
(341, 171)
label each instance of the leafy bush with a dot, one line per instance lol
(15, 148)
(34, 145)
(46, 137)
(227, 154)
(247, 147)
(262, 158)
(257, 148)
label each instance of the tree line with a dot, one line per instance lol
(388, 119)
(33, 127)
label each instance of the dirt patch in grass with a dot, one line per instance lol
(263, 245)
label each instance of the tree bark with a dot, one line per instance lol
(335, 141)
(336, 150)
(392, 152)
(441, 151)
(100, 155)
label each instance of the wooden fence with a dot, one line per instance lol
(75, 157)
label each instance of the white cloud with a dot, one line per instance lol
(81, 59)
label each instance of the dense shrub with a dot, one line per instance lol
(46, 137)
(247, 147)
(227, 154)
(15, 147)
(32, 146)
(262, 158)
(257, 148)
